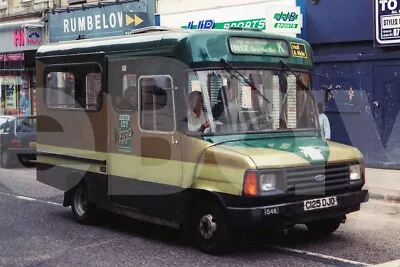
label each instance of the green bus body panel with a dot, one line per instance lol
(193, 47)
(288, 142)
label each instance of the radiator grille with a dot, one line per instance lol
(303, 179)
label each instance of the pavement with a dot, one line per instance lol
(383, 184)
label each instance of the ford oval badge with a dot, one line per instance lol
(319, 178)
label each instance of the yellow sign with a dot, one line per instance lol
(298, 50)
(136, 20)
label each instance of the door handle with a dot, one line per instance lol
(175, 142)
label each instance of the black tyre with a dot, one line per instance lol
(83, 211)
(212, 232)
(324, 227)
(6, 159)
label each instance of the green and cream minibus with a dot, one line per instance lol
(207, 131)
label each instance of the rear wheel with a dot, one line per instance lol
(324, 227)
(82, 209)
(212, 232)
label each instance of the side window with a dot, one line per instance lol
(60, 90)
(156, 104)
(93, 91)
(128, 100)
(74, 87)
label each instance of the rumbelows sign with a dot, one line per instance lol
(111, 20)
(94, 22)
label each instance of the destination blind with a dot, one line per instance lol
(257, 46)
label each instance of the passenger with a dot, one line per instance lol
(196, 118)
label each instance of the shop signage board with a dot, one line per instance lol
(108, 20)
(21, 39)
(277, 16)
(387, 22)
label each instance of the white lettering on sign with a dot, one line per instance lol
(90, 23)
(97, 18)
(81, 24)
(105, 25)
(66, 28)
(95, 22)
(113, 20)
(390, 4)
(281, 49)
(73, 25)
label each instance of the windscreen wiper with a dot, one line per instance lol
(285, 68)
(230, 68)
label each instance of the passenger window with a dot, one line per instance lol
(74, 87)
(93, 91)
(157, 104)
(60, 90)
(128, 99)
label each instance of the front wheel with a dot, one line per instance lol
(324, 227)
(213, 234)
(82, 209)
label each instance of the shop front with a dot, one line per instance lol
(278, 17)
(19, 41)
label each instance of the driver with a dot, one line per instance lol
(196, 117)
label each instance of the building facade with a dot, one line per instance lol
(22, 31)
(362, 91)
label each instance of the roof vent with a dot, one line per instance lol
(244, 29)
(152, 29)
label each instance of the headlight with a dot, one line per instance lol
(267, 182)
(355, 172)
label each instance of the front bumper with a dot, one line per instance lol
(294, 213)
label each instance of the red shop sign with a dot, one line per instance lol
(19, 37)
(12, 57)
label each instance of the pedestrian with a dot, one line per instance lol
(324, 124)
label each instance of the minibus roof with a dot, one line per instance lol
(193, 47)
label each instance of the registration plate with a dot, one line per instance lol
(32, 144)
(320, 203)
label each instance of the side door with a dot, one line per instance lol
(160, 150)
(144, 150)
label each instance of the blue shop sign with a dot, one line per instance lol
(387, 22)
(101, 21)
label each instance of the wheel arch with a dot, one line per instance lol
(194, 197)
(74, 179)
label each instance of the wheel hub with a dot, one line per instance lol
(81, 202)
(207, 226)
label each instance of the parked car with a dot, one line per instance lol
(17, 139)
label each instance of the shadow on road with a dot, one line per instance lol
(247, 242)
